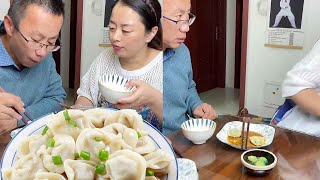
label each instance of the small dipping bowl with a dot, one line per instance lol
(198, 130)
(258, 170)
(112, 88)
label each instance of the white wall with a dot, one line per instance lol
(230, 42)
(5, 4)
(272, 64)
(91, 27)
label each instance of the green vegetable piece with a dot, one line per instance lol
(101, 169)
(76, 155)
(260, 163)
(85, 155)
(72, 123)
(103, 155)
(57, 160)
(139, 135)
(66, 115)
(252, 159)
(44, 131)
(50, 142)
(149, 173)
(263, 159)
(98, 139)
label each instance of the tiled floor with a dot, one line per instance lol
(223, 100)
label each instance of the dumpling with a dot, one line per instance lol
(126, 164)
(64, 147)
(79, 169)
(59, 125)
(158, 161)
(24, 169)
(145, 145)
(257, 140)
(129, 135)
(87, 141)
(31, 144)
(96, 116)
(127, 117)
(151, 178)
(48, 176)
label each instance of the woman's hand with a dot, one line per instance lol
(143, 95)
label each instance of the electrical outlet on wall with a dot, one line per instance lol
(272, 94)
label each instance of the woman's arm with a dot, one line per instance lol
(308, 100)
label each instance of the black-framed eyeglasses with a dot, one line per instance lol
(180, 23)
(38, 45)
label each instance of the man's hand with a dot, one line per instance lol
(205, 111)
(8, 115)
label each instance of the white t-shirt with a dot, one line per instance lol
(304, 75)
(108, 63)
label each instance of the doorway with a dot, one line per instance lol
(207, 44)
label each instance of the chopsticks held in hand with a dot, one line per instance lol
(244, 137)
(25, 113)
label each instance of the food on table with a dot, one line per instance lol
(258, 161)
(234, 133)
(252, 159)
(258, 140)
(85, 145)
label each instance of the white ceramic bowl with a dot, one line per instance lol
(198, 130)
(258, 170)
(112, 87)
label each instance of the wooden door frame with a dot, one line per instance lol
(78, 46)
(244, 43)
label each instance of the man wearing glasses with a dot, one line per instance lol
(28, 78)
(180, 97)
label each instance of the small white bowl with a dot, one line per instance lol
(258, 170)
(198, 130)
(112, 88)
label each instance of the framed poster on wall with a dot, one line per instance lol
(285, 26)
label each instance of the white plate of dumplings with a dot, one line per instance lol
(28, 155)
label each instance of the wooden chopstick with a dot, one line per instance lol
(242, 133)
(23, 119)
(247, 133)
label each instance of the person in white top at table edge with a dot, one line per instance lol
(302, 85)
(180, 95)
(136, 37)
(28, 35)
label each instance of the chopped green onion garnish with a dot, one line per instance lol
(139, 135)
(103, 155)
(66, 115)
(50, 142)
(149, 173)
(85, 155)
(76, 155)
(44, 131)
(72, 123)
(98, 139)
(101, 169)
(57, 160)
